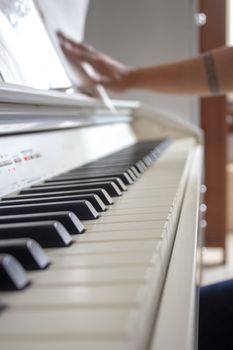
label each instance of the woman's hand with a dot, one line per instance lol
(112, 74)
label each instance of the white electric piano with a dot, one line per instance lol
(99, 221)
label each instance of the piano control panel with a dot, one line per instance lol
(30, 158)
(9, 162)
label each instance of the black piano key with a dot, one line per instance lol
(132, 175)
(135, 171)
(112, 163)
(109, 171)
(104, 196)
(12, 274)
(106, 168)
(128, 155)
(140, 166)
(83, 209)
(46, 233)
(144, 163)
(117, 181)
(27, 251)
(154, 154)
(67, 177)
(110, 187)
(68, 219)
(92, 198)
(148, 161)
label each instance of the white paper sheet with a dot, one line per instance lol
(27, 56)
(69, 17)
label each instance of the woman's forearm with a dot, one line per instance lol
(205, 74)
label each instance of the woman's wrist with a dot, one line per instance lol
(134, 78)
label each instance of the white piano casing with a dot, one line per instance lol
(52, 132)
(82, 129)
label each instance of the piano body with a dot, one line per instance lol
(131, 179)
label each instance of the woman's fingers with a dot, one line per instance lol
(77, 45)
(88, 54)
(77, 55)
(81, 52)
(113, 74)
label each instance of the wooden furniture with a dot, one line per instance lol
(213, 122)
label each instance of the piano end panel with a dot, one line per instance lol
(178, 312)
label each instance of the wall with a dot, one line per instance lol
(147, 32)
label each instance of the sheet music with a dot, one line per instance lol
(11, 71)
(27, 56)
(69, 17)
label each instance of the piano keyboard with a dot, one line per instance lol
(107, 231)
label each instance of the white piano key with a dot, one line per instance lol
(103, 259)
(122, 236)
(78, 296)
(137, 211)
(148, 202)
(142, 204)
(143, 190)
(76, 323)
(127, 226)
(119, 246)
(88, 276)
(133, 218)
(146, 195)
(67, 342)
(151, 184)
(167, 214)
